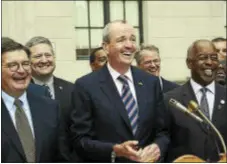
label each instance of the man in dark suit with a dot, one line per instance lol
(148, 59)
(39, 90)
(30, 122)
(43, 66)
(187, 135)
(110, 124)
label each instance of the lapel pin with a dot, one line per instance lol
(60, 87)
(222, 101)
(140, 83)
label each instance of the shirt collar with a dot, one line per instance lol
(9, 100)
(196, 87)
(49, 82)
(116, 74)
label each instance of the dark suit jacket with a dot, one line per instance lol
(38, 90)
(46, 117)
(168, 85)
(189, 136)
(63, 94)
(100, 119)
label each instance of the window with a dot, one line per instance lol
(91, 17)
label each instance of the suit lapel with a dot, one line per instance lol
(188, 95)
(36, 114)
(107, 85)
(57, 89)
(9, 129)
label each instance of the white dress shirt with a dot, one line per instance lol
(114, 74)
(9, 102)
(209, 94)
(49, 83)
(161, 82)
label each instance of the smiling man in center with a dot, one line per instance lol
(118, 110)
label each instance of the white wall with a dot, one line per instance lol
(174, 25)
(171, 25)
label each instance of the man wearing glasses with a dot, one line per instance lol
(37, 89)
(148, 59)
(187, 135)
(30, 122)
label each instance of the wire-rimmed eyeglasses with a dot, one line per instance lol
(14, 66)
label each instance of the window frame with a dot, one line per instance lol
(106, 19)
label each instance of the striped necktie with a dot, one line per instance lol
(204, 103)
(130, 103)
(24, 132)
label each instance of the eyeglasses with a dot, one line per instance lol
(14, 66)
(39, 56)
(213, 57)
(155, 61)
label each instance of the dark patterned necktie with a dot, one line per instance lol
(49, 91)
(130, 103)
(24, 132)
(204, 103)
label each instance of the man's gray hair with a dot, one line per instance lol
(149, 47)
(106, 30)
(193, 48)
(39, 40)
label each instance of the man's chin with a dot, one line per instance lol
(20, 87)
(208, 80)
(44, 73)
(153, 73)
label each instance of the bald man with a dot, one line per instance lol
(187, 135)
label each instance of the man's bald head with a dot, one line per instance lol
(196, 46)
(202, 60)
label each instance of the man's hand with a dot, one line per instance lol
(150, 153)
(128, 149)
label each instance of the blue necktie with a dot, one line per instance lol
(49, 91)
(204, 103)
(130, 103)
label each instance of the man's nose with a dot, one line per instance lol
(43, 58)
(152, 64)
(20, 69)
(129, 43)
(209, 61)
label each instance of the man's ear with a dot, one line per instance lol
(105, 47)
(189, 63)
